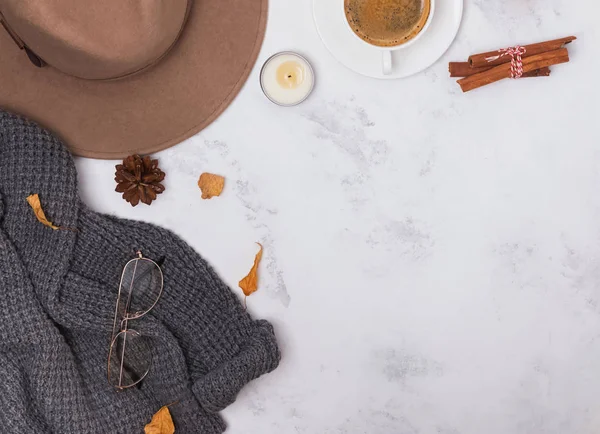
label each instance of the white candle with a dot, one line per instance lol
(287, 79)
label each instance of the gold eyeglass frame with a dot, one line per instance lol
(124, 323)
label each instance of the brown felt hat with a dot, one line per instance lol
(117, 77)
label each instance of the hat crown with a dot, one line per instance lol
(97, 40)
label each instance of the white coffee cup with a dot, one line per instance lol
(386, 59)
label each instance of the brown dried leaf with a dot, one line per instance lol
(249, 284)
(211, 185)
(161, 422)
(34, 203)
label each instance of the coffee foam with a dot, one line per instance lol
(387, 23)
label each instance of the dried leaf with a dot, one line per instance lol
(34, 202)
(249, 284)
(161, 422)
(211, 185)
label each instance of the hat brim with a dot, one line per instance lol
(155, 109)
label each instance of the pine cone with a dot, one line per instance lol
(139, 179)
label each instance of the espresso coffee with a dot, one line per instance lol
(387, 23)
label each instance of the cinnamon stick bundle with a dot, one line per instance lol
(463, 69)
(503, 71)
(493, 58)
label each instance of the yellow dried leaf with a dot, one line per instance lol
(211, 185)
(161, 423)
(249, 284)
(34, 202)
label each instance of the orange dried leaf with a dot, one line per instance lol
(161, 423)
(34, 203)
(211, 185)
(249, 284)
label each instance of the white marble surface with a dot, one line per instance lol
(432, 259)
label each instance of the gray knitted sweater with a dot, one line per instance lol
(57, 299)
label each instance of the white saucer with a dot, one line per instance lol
(359, 57)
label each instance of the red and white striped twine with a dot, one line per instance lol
(516, 62)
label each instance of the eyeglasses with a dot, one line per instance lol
(130, 355)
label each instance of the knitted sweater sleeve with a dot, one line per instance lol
(224, 347)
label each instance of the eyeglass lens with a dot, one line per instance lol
(129, 360)
(141, 287)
